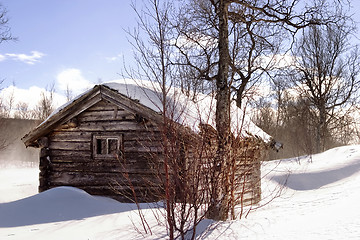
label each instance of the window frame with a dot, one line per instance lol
(107, 137)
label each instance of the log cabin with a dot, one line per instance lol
(108, 141)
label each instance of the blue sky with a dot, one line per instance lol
(70, 43)
(81, 40)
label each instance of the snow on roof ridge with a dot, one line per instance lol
(182, 109)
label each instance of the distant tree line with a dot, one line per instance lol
(9, 108)
(313, 106)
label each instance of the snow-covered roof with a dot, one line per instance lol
(184, 110)
(148, 101)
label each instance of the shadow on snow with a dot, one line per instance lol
(59, 204)
(315, 180)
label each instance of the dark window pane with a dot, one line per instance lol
(100, 146)
(112, 146)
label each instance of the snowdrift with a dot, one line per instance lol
(319, 201)
(320, 170)
(56, 205)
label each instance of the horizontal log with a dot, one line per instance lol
(97, 116)
(84, 136)
(71, 136)
(75, 146)
(113, 126)
(104, 105)
(104, 167)
(86, 156)
(69, 154)
(44, 152)
(99, 179)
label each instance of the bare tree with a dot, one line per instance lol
(180, 180)
(327, 69)
(212, 31)
(23, 111)
(5, 34)
(154, 66)
(45, 106)
(7, 104)
(68, 93)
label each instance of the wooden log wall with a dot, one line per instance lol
(68, 158)
(248, 153)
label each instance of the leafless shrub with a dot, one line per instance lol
(45, 106)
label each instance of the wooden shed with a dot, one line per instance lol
(82, 142)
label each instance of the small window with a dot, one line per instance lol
(107, 146)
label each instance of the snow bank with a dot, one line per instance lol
(319, 201)
(320, 170)
(56, 205)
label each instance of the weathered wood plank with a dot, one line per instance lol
(80, 136)
(104, 105)
(76, 146)
(70, 136)
(141, 167)
(99, 179)
(106, 116)
(53, 153)
(113, 126)
(86, 156)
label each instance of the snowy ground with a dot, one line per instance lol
(319, 202)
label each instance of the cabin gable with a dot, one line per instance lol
(95, 149)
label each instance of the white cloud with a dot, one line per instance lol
(114, 58)
(195, 41)
(28, 59)
(73, 80)
(2, 57)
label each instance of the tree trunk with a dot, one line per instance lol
(321, 130)
(220, 200)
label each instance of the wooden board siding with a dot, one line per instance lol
(247, 155)
(68, 158)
